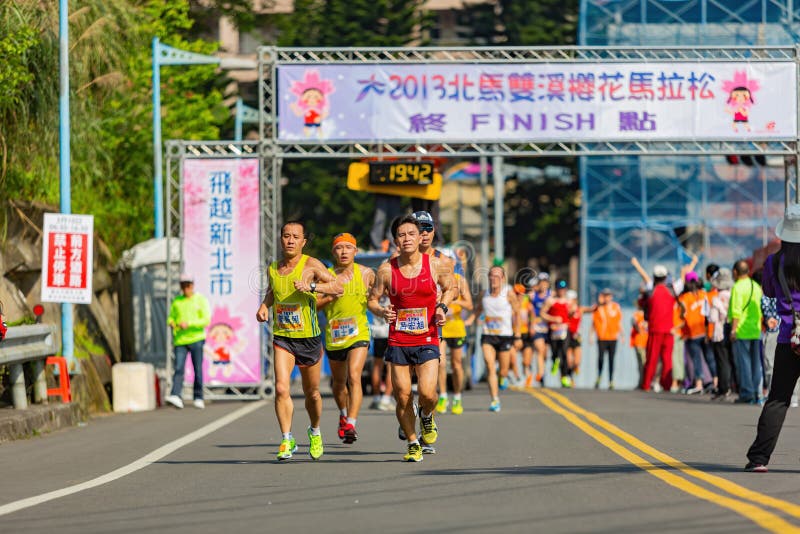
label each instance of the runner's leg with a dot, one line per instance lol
(310, 376)
(339, 376)
(355, 363)
(490, 357)
(284, 407)
(401, 382)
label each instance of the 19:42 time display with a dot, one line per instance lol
(400, 172)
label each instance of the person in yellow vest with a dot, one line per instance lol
(347, 332)
(189, 315)
(454, 335)
(293, 282)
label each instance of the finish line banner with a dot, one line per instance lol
(221, 250)
(537, 102)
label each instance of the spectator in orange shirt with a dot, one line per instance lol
(694, 312)
(607, 322)
(639, 333)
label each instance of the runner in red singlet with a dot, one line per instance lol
(415, 314)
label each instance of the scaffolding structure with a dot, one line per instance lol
(665, 209)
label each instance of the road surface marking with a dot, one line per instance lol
(761, 517)
(724, 484)
(134, 466)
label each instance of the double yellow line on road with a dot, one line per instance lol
(742, 505)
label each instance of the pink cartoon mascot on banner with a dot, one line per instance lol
(740, 98)
(222, 344)
(312, 101)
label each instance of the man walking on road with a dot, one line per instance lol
(745, 317)
(347, 332)
(414, 316)
(189, 315)
(293, 282)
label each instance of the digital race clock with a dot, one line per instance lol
(400, 173)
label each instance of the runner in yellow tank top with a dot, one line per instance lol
(347, 332)
(292, 282)
(454, 335)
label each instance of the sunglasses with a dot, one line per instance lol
(426, 228)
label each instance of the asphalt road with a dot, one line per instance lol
(551, 461)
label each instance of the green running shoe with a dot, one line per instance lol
(315, 445)
(287, 448)
(441, 406)
(428, 429)
(458, 408)
(554, 370)
(414, 453)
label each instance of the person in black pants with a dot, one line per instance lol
(720, 331)
(785, 264)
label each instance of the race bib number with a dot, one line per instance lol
(412, 320)
(289, 317)
(540, 327)
(559, 333)
(494, 325)
(343, 329)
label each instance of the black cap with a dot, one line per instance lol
(561, 284)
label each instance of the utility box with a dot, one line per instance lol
(134, 385)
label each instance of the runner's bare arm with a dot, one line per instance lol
(263, 309)
(446, 279)
(515, 321)
(546, 316)
(476, 313)
(368, 277)
(464, 296)
(383, 279)
(326, 282)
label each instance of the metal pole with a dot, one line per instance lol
(499, 195)
(67, 340)
(237, 129)
(484, 214)
(158, 179)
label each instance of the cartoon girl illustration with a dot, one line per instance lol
(312, 101)
(222, 344)
(740, 98)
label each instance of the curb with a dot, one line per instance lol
(36, 420)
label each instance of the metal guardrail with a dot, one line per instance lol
(30, 343)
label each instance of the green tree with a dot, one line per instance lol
(110, 109)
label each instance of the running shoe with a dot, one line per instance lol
(503, 383)
(350, 434)
(566, 382)
(529, 381)
(554, 370)
(385, 405)
(287, 448)
(342, 426)
(755, 468)
(400, 434)
(428, 429)
(441, 406)
(426, 447)
(375, 404)
(414, 453)
(494, 406)
(611, 385)
(314, 445)
(540, 379)
(457, 408)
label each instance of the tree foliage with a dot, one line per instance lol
(110, 105)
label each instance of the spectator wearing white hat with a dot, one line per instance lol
(781, 279)
(189, 315)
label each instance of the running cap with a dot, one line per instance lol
(425, 220)
(344, 237)
(659, 271)
(561, 284)
(543, 276)
(186, 278)
(789, 228)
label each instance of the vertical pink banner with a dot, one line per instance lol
(221, 245)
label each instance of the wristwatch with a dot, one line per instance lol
(313, 286)
(443, 306)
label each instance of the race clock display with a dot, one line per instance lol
(400, 173)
